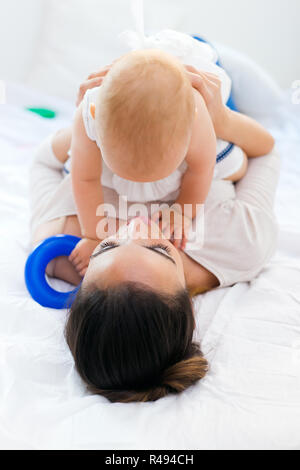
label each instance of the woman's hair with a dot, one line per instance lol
(132, 344)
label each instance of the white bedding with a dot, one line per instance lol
(250, 333)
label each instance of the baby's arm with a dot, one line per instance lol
(201, 160)
(86, 177)
(196, 182)
(87, 191)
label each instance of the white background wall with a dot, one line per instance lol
(20, 24)
(267, 30)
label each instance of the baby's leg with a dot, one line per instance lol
(232, 162)
(238, 175)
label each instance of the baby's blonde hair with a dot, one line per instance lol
(144, 114)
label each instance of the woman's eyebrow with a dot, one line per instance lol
(144, 246)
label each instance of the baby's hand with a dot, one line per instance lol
(174, 225)
(80, 256)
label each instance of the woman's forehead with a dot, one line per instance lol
(133, 263)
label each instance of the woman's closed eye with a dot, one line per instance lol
(105, 246)
(159, 248)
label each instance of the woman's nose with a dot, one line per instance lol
(138, 228)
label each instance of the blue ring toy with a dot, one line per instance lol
(35, 277)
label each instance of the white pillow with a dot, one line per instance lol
(80, 36)
(254, 90)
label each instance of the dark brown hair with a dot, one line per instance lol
(131, 344)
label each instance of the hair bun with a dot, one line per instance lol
(185, 373)
(175, 379)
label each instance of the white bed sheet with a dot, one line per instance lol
(250, 333)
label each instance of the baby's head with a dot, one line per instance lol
(144, 115)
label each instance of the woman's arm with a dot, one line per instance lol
(229, 125)
(259, 185)
(246, 133)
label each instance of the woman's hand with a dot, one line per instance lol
(229, 125)
(209, 86)
(93, 80)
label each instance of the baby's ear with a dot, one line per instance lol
(93, 110)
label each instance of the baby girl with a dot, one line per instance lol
(150, 131)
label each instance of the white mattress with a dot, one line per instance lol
(250, 333)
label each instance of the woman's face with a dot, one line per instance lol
(138, 252)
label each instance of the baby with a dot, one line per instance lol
(148, 134)
(138, 129)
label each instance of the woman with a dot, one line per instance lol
(130, 328)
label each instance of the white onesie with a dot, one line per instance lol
(202, 56)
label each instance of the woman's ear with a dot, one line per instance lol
(93, 110)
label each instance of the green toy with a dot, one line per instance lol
(45, 113)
